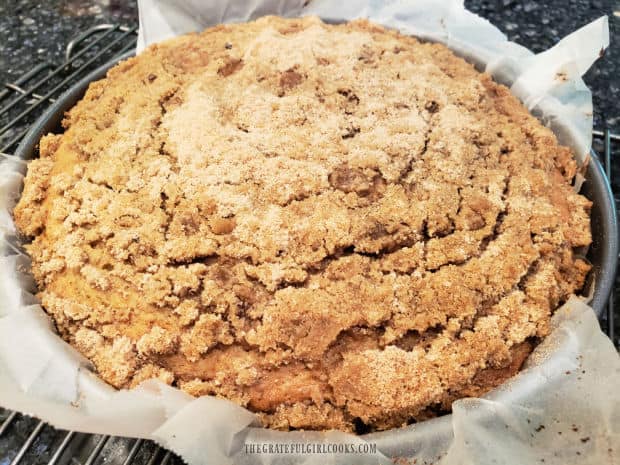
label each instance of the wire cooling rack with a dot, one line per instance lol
(25, 440)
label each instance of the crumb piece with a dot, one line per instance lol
(157, 341)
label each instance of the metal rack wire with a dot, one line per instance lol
(25, 440)
(606, 142)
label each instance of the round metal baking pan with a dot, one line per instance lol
(603, 253)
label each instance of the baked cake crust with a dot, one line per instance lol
(336, 226)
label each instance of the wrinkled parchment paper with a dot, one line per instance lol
(564, 408)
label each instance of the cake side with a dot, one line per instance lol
(336, 226)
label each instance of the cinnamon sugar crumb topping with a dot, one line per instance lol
(336, 226)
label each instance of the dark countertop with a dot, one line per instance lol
(32, 31)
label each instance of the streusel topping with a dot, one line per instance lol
(336, 226)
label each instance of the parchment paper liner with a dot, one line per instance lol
(564, 408)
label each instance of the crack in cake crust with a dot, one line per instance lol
(336, 226)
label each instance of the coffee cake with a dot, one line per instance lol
(335, 226)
